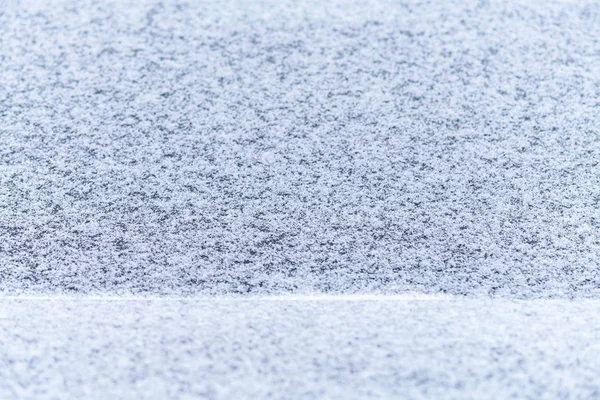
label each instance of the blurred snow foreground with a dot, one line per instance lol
(299, 349)
(166, 165)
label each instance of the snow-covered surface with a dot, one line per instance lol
(208, 147)
(153, 153)
(299, 349)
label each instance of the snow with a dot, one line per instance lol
(291, 199)
(269, 147)
(425, 348)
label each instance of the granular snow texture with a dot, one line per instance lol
(300, 146)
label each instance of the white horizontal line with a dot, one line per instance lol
(291, 298)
